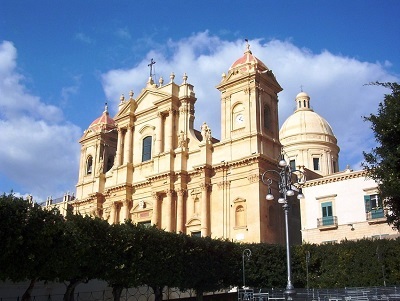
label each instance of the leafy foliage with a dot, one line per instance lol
(383, 162)
(41, 244)
(29, 240)
(83, 242)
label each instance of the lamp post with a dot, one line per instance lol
(245, 255)
(307, 263)
(288, 180)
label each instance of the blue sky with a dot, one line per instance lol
(60, 61)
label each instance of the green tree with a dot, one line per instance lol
(159, 258)
(383, 162)
(13, 220)
(30, 235)
(266, 267)
(208, 265)
(82, 259)
(122, 255)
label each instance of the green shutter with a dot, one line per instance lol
(326, 209)
(367, 202)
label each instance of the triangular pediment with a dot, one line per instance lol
(148, 98)
(129, 107)
(233, 76)
(88, 134)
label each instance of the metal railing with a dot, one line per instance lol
(390, 293)
(327, 221)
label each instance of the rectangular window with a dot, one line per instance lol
(316, 163)
(335, 166)
(372, 202)
(329, 242)
(373, 206)
(327, 214)
(375, 201)
(196, 234)
(292, 164)
(146, 224)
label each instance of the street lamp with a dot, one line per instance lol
(289, 179)
(245, 255)
(307, 264)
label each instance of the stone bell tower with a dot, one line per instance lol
(249, 107)
(98, 149)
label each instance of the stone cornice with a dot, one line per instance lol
(160, 176)
(120, 187)
(92, 197)
(239, 163)
(337, 177)
(142, 184)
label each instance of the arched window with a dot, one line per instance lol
(146, 150)
(267, 117)
(240, 220)
(89, 165)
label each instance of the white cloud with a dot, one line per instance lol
(67, 92)
(39, 152)
(335, 83)
(80, 36)
(123, 33)
(15, 100)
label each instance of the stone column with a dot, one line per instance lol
(112, 213)
(329, 163)
(119, 148)
(180, 213)
(159, 134)
(125, 210)
(169, 124)
(169, 215)
(205, 214)
(128, 146)
(82, 164)
(156, 209)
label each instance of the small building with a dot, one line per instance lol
(337, 205)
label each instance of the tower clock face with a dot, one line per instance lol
(239, 118)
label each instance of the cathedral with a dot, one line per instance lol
(148, 164)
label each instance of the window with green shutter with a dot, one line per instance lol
(373, 206)
(367, 203)
(327, 214)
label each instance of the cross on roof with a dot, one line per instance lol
(152, 62)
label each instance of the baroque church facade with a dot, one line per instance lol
(150, 165)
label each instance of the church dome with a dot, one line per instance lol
(104, 122)
(302, 94)
(308, 139)
(305, 121)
